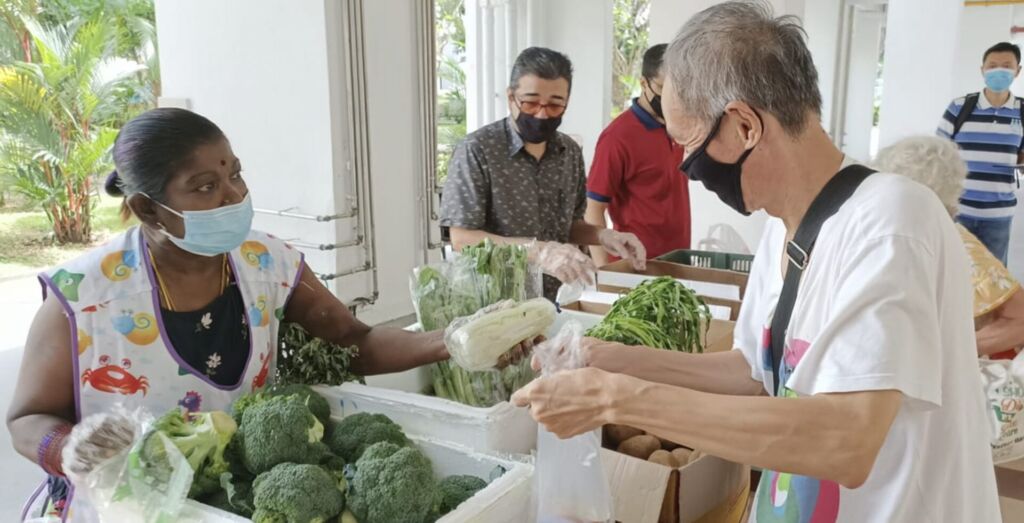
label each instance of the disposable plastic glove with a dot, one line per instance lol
(565, 262)
(97, 439)
(624, 245)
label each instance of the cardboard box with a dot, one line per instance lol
(719, 336)
(708, 490)
(718, 287)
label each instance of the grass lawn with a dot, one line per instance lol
(26, 243)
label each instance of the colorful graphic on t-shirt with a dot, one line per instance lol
(140, 329)
(191, 402)
(259, 316)
(118, 266)
(67, 283)
(788, 498)
(115, 378)
(257, 255)
(84, 341)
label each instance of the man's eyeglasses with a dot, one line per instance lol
(553, 110)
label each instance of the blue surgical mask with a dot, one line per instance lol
(213, 232)
(999, 80)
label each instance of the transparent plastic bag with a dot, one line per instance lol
(1003, 382)
(571, 485)
(479, 276)
(128, 487)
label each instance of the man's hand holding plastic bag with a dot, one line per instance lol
(563, 261)
(571, 484)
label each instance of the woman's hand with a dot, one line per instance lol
(576, 401)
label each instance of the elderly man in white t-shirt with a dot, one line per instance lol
(880, 413)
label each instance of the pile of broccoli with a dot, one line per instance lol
(279, 458)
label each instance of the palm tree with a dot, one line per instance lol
(58, 118)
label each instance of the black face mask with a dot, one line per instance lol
(723, 179)
(536, 130)
(655, 102)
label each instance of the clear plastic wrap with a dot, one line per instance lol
(571, 485)
(477, 342)
(482, 275)
(145, 481)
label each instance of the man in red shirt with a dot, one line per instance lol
(635, 174)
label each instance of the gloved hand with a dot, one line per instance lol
(95, 440)
(563, 261)
(625, 245)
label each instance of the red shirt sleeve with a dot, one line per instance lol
(607, 171)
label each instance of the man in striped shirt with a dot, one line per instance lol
(987, 127)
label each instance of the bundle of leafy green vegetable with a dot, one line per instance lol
(661, 313)
(482, 275)
(305, 359)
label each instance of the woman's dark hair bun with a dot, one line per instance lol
(113, 185)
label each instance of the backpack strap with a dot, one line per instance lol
(970, 102)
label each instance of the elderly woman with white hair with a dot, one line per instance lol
(998, 300)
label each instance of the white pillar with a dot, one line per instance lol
(921, 39)
(860, 95)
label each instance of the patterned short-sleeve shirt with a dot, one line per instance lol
(494, 185)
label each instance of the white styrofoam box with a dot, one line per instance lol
(506, 499)
(585, 319)
(722, 291)
(501, 428)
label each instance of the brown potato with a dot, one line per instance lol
(682, 455)
(640, 447)
(664, 457)
(619, 433)
(697, 454)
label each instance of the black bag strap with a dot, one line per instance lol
(798, 250)
(970, 102)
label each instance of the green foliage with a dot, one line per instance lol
(308, 360)
(451, 80)
(71, 73)
(629, 44)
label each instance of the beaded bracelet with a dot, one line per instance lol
(50, 450)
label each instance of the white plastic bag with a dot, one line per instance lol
(571, 485)
(127, 488)
(1004, 390)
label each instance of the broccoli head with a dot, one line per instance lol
(296, 493)
(457, 489)
(335, 466)
(393, 484)
(201, 438)
(240, 405)
(280, 430)
(234, 496)
(354, 434)
(317, 404)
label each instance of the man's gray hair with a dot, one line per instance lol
(544, 63)
(931, 161)
(739, 51)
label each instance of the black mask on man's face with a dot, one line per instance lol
(655, 101)
(723, 179)
(537, 130)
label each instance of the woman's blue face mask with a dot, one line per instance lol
(213, 232)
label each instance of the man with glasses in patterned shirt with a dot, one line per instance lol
(518, 180)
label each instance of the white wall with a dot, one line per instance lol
(273, 79)
(821, 21)
(584, 33)
(667, 16)
(269, 95)
(863, 68)
(921, 36)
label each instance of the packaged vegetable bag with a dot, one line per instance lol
(1004, 390)
(571, 485)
